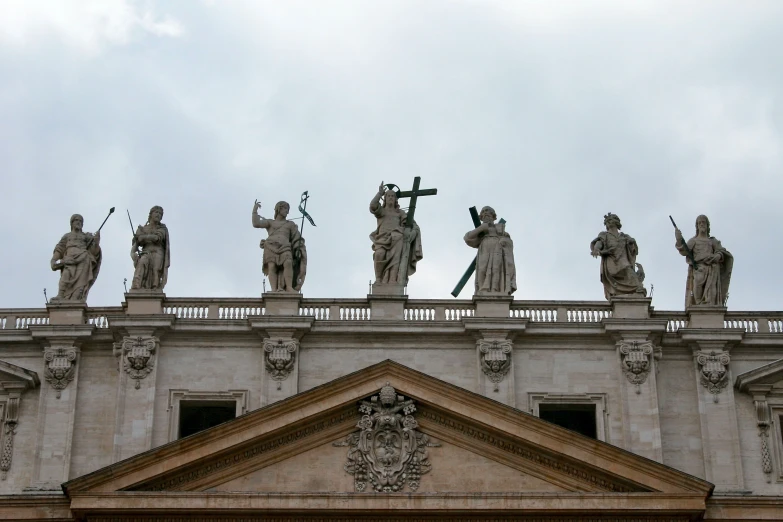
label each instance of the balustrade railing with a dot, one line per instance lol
(18, 318)
(426, 310)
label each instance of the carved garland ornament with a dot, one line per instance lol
(763, 421)
(388, 452)
(714, 371)
(279, 358)
(11, 419)
(637, 361)
(59, 367)
(495, 360)
(138, 357)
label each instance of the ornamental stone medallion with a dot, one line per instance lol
(636, 359)
(495, 360)
(279, 358)
(138, 357)
(714, 371)
(388, 452)
(59, 367)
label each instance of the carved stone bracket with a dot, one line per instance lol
(279, 358)
(714, 371)
(388, 452)
(138, 356)
(9, 430)
(764, 422)
(59, 367)
(495, 359)
(637, 361)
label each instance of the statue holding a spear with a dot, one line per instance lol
(78, 258)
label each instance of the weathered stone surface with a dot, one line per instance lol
(709, 266)
(78, 258)
(151, 253)
(285, 255)
(620, 273)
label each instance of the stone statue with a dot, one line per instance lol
(285, 255)
(496, 273)
(709, 266)
(78, 257)
(388, 238)
(618, 253)
(150, 253)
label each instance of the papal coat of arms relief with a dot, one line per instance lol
(388, 452)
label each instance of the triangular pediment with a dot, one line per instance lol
(470, 445)
(13, 377)
(769, 375)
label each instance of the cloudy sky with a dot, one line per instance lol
(554, 113)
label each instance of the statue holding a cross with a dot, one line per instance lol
(396, 242)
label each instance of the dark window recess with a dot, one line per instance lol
(195, 416)
(575, 417)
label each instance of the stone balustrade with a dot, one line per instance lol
(415, 310)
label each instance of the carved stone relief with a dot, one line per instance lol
(763, 421)
(636, 361)
(495, 359)
(137, 355)
(714, 371)
(388, 452)
(59, 367)
(279, 358)
(9, 430)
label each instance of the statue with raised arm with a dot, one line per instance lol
(285, 255)
(389, 238)
(618, 252)
(496, 273)
(78, 258)
(709, 266)
(151, 253)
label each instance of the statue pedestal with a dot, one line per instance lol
(282, 303)
(387, 307)
(144, 302)
(705, 316)
(630, 307)
(493, 305)
(387, 289)
(67, 312)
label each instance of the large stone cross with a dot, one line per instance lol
(406, 245)
(472, 267)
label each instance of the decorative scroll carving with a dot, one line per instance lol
(138, 356)
(637, 361)
(714, 371)
(59, 367)
(388, 452)
(763, 420)
(280, 357)
(495, 359)
(9, 430)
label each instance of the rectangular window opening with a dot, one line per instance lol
(575, 417)
(196, 416)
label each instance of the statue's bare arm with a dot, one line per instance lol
(258, 221)
(375, 204)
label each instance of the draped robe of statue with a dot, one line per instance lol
(152, 265)
(495, 269)
(387, 244)
(707, 284)
(283, 243)
(618, 260)
(79, 265)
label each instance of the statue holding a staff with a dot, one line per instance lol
(151, 253)
(285, 255)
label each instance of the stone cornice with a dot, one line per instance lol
(635, 507)
(767, 374)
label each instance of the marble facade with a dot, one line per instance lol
(689, 408)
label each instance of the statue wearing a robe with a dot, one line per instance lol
(708, 282)
(618, 253)
(388, 239)
(151, 253)
(78, 257)
(496, 273)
